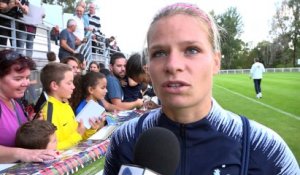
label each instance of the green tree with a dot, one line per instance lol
(68, 5)
(286, 30)
(294, 5)
(231, 45)
(263, 52)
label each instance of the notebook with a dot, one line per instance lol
(91, 110)
(104, 133)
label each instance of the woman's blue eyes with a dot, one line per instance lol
(192, 51)
(160, 53)
(188, 51)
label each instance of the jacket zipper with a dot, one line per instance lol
(183, 149)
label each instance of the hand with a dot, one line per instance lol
(81, 129)
(35, 155)
(97, 123)
(18, 3)
(123, 83)
(139, 102)
(36, 116)
(84, 40)
(89, 28)
(150, 105)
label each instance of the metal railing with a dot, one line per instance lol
(247, 71)
(95, 50)
(42, 37)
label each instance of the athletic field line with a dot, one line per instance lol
(261, 103)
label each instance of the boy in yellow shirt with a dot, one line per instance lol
(57, 81)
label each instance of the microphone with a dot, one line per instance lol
(157, 151)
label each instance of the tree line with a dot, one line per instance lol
(282, 51)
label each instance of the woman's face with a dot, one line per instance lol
(14, 84)
(182, 62)
(99, 91)
(94, 68)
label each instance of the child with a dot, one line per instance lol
(93, 87)
(57, 81)
(36, 134)
(131, 88)
(136, 69)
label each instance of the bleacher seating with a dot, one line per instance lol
(43, 44)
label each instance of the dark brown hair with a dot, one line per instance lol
(68, 58)
(135, 65)
(51, 56)
(90, 79)
(93, 62)
(34, 134)
(12, 60)
(53, 72)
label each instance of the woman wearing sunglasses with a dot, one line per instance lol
(14, 80)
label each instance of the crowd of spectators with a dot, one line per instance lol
(85, 23)
(67, 83)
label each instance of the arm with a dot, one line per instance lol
(127, 105)
(271, 151)
(112, 159)
(77, 41)
(114, 93)
(10, 155)
(23, 7)
(110, 107)
(64, 44)
(120, 150)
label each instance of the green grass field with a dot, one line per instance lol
(279, 109)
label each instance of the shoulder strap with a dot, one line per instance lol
(49, 112)
(245, 146)
(20, 102)
(17, 111)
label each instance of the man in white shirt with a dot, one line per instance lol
(79, 32)
(256, 73)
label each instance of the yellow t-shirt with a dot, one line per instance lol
(63, 118)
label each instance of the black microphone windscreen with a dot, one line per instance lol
(157, 149)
